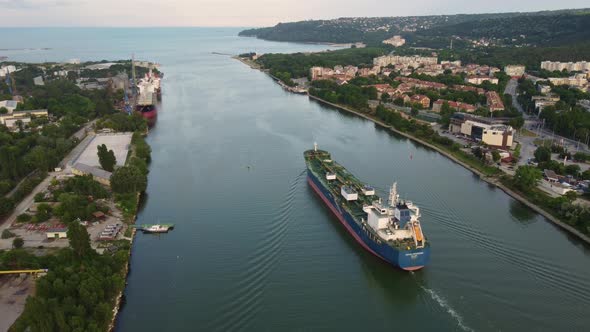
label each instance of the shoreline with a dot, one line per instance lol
(119, 298)
(492, 181)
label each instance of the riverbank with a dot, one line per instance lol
(493, 180)
(489, 179)
(119, 297)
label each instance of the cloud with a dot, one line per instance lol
(34, 4)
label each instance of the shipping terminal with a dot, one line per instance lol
(389, 231)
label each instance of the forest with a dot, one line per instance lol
(298, 64)
(543, 28)
(78, 293)
(40, 149)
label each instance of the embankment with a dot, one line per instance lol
(491, 180)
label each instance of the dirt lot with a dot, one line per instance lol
(14, 291)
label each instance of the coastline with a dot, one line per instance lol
(489, 180)
(119, 298)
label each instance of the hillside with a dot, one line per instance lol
(546, 28)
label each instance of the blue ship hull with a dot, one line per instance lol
(405, 259)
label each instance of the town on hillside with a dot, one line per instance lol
(498, 115)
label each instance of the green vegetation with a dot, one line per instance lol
(123, 122)
(79, 290)
(541, 28)
(348, 94)
(84, 186)
(520, 30)
(106, 158)
(33, 152)
(22, 218)
(6, 234)
(566, 117)
(527, 178)
(128, 179)
(298, 64)
(561, 207)
(542, 154)
(128, 204)
(18, 242)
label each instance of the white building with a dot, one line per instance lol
(7, 70)
(514, 70)
(396, 41)
(569, 66)
(10, 105)
(409, 61)
(577, 81)
(478, 80)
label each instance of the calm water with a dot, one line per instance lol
(254, 248)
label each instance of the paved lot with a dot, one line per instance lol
(119, 143)
(14, 291)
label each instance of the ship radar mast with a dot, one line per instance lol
(393, 196)
(315, 146)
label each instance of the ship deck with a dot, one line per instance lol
(320, 163)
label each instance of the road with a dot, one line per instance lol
(511, 90)
(532, 122)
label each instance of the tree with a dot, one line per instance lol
(79, 240)
(542, 154)
(398, 101)
(496, 156)
(572, 170)
(517, 122)
(128, 179)
(3, 110)
(23, 218)
(43, 212)
(106, 158)
(18, 242)
(6, 206)
(581, 157)
(527, 177)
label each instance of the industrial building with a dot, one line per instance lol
(492, 134)
(99, 175)
(57, 233)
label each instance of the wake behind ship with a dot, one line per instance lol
(390, 231)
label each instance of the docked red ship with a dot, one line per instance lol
(149, 91)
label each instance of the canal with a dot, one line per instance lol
(254, 248)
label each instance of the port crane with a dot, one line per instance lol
(36, 272)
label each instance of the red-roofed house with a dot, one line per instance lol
(458, 106)
(494, 101)
(421, 99)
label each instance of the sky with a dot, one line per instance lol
(241, 13)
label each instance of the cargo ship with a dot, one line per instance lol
(149, 93)
(389, 231)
